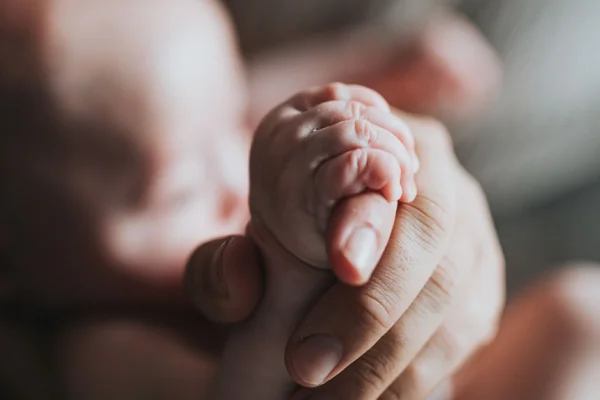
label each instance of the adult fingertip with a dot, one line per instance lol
(311, 361)
(224, 279)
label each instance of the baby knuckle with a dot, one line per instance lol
(358, 161)
(365, 132)
(355, 110)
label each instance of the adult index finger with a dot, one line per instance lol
(348, 321)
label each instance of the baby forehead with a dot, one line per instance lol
(133, 40)
(130, 56)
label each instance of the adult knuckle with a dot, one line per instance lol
(432, 220)
(419, 377)
(376, 309)
(373, 372)
(416, 378)
(446, 277)
(393, 393)
(453, 344)
(439, 291)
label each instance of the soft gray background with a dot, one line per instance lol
(537, 152)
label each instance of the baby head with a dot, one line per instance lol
(123, 145)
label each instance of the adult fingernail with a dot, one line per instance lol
(316, 357)
(360, 249)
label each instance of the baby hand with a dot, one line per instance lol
(309, 154)
(318, 148)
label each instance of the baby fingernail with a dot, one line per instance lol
(316, 357)
(360, 249)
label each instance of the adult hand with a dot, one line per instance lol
(437, 292)
(434, 298)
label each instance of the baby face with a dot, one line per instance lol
(148, 155)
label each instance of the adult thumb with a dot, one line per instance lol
(224, 279)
